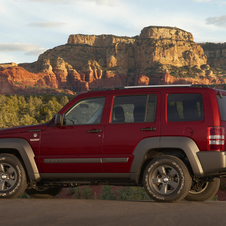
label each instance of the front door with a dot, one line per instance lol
(77, 145)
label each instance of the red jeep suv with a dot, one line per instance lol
(168, 139)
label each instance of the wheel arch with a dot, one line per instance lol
(149, 148)
(23, 151)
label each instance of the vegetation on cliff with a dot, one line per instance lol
(210, 46)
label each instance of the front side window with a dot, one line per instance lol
(184, 107)
(88, 111)
(129, 109)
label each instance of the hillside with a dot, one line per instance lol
(159, 55)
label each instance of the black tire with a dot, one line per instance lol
(166, 179)
(44, 193)
(203, 191)
(13, 181)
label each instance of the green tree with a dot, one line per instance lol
(64, 100)
(17, 110)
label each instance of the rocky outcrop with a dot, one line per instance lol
(17, 80)
(216, 54)
(159, 55)
(172, 33)
(5, 65)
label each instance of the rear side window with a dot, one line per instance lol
(184, 107)
(132, 109)
(222, 106)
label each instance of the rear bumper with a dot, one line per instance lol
(213, 162)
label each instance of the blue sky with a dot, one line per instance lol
(29, 27)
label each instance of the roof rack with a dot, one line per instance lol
(157, 86)
(153, 86)
(172, 85)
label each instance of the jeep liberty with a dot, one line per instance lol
(169, 139)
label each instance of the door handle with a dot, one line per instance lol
(94, 131)
(148, 129)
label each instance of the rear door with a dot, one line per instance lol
(185, 115)
(132, 118)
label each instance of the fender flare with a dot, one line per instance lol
(184, 143)
(26, 153)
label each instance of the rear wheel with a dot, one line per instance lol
(13, 179)
(44, 193)
(166, 179)
(203, 190)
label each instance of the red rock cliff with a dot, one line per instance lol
(159, 55)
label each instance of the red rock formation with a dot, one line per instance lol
(159, 55)
(17, 80)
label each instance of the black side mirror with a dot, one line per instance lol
(58, 120)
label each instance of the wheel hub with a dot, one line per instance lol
(166, 180)
(4, 176)
(8, 177)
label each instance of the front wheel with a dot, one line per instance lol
(166, 179)
(13, 179)
(203, 190)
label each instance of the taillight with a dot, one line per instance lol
(216, 138)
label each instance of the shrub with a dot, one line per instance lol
(107, 193)
(131, 193)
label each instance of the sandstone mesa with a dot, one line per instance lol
(159, 55)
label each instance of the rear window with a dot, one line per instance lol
(184, 107)
(222, 106)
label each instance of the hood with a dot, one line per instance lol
(23, 129)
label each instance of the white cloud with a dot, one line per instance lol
(46, 24)
(107, 2)
(20, 47)
(202, 0)
(55, 1)
(219, 21)
(19, 52)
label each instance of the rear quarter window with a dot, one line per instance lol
(222, 106)
(184, 107)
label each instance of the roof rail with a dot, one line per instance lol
(171, 85)
(154, 86)
(157, 86)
